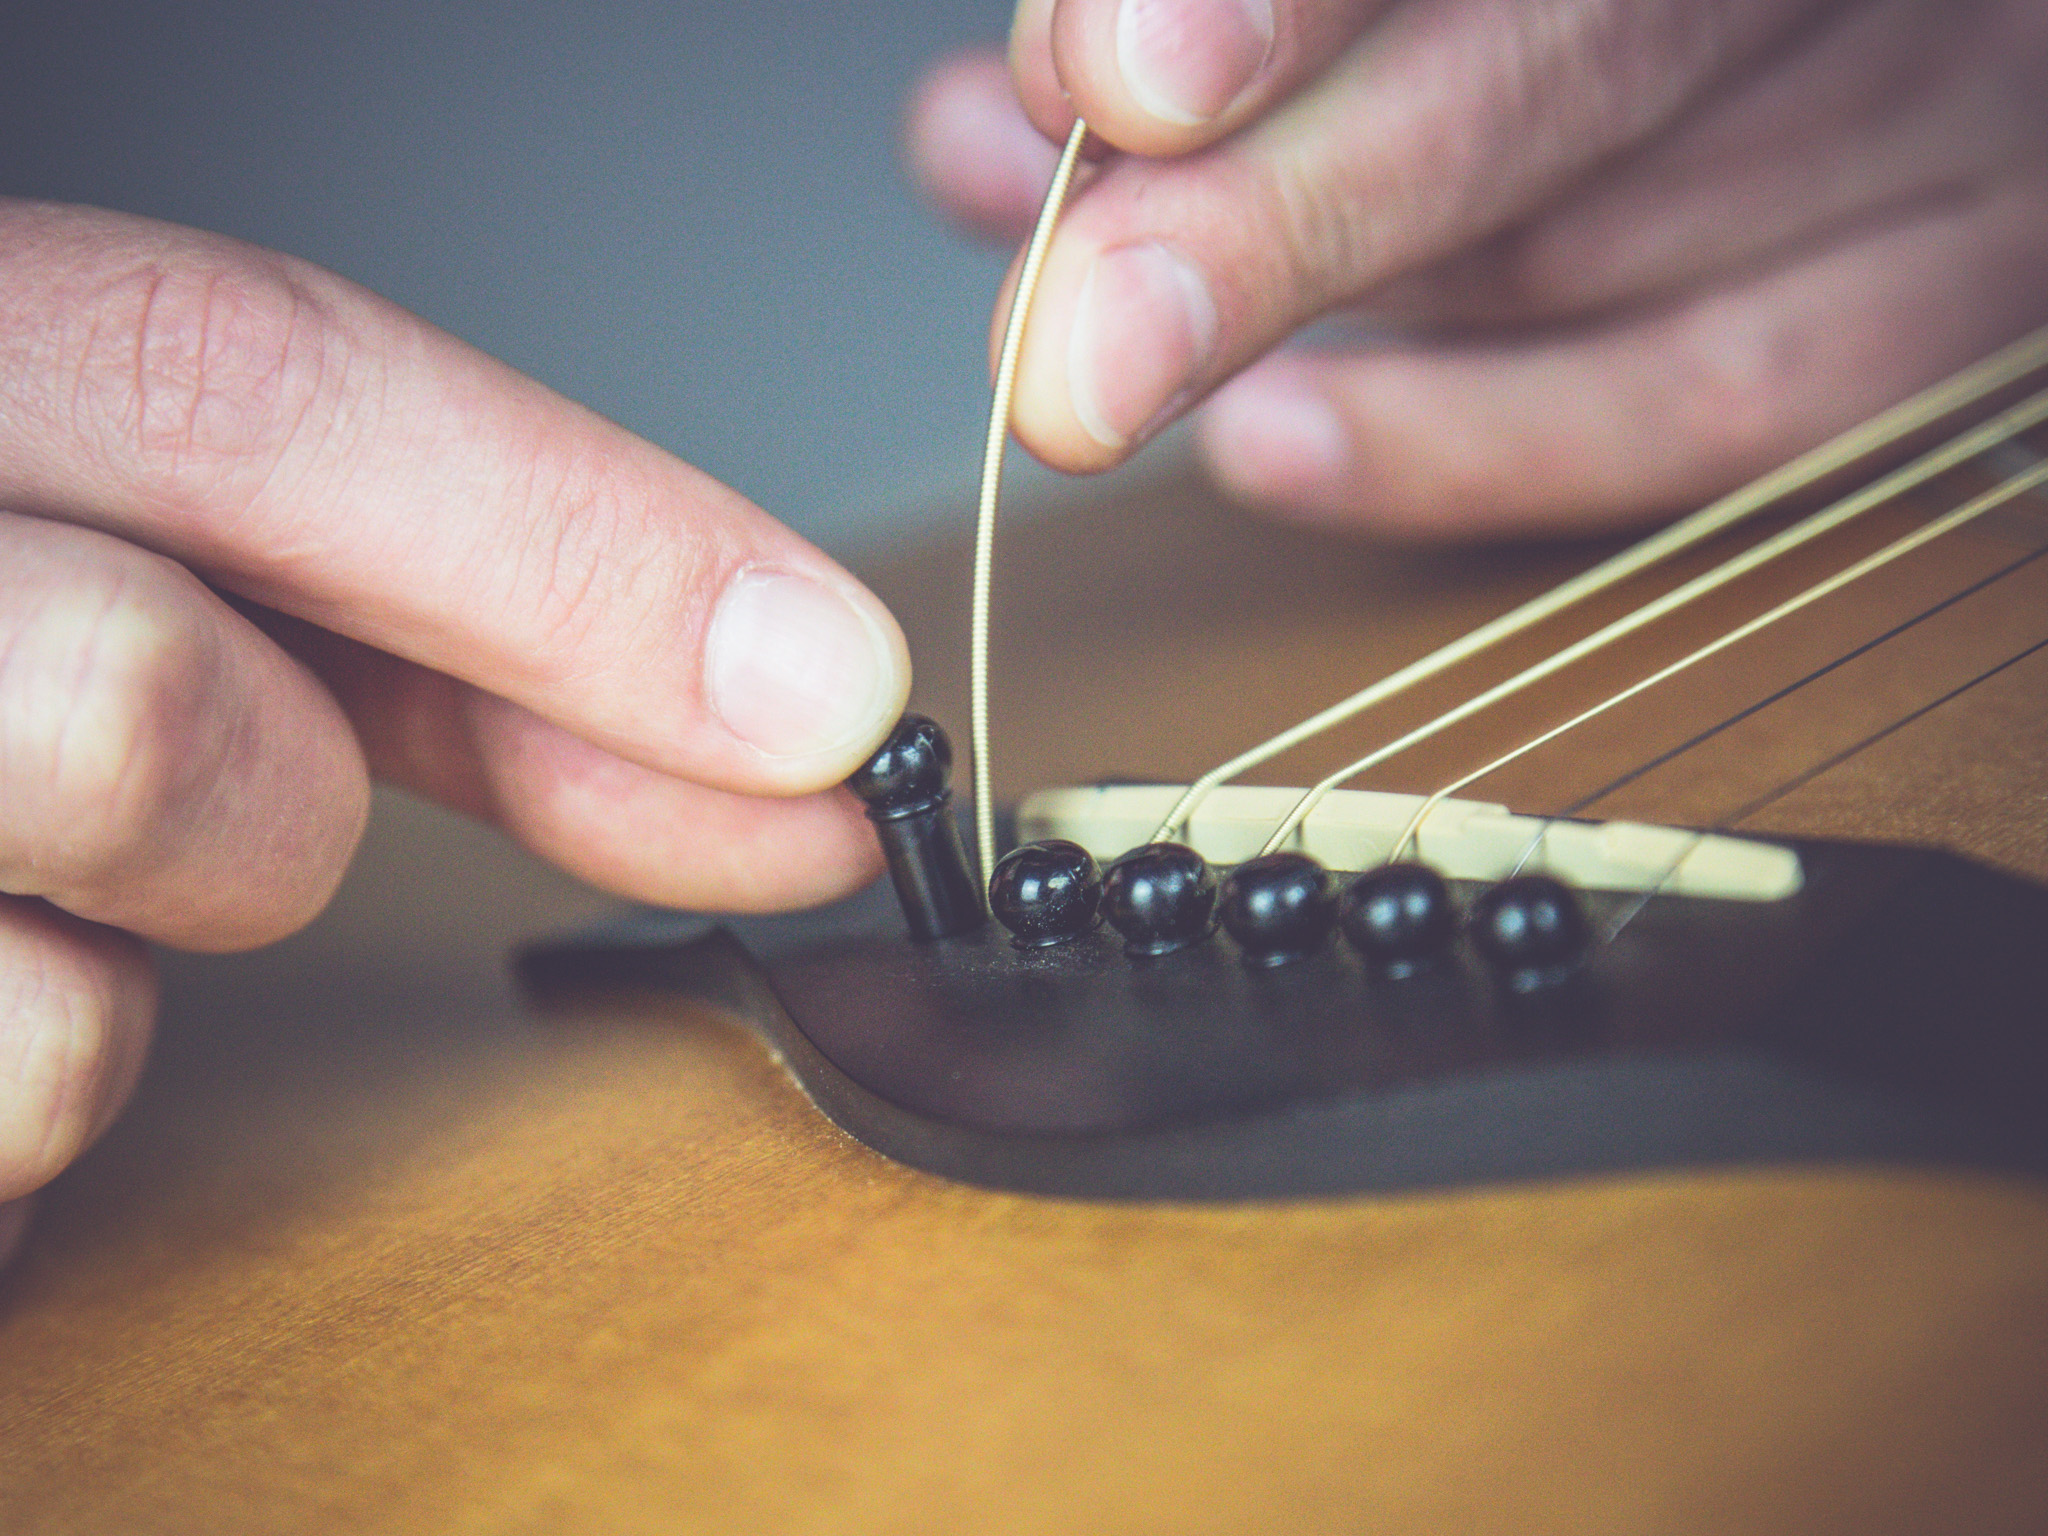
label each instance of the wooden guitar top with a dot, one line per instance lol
(379, 1250)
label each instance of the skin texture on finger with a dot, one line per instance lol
(1163, 77)
(305, 444)
(163, 766)
(1588, 427)
(1446, 122)
(76, 1005)
(608, 820)
(1889, 104)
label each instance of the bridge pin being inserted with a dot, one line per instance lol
(1531, 930)
(1279, 907)
(1046, 893)
(905, 786)
(1161, 897)
(1400, 917)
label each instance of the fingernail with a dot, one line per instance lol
(1186, 60)
(1276, 438)
(794, 668)
(1144, 327)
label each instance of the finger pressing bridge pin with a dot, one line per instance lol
(907, 790)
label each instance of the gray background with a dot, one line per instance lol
(690, 217)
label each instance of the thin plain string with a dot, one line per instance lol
(1594, 797)
(1922, 410)
(1701, 738)
(1969, 512)
(1807, 776)
(1957, 451)
(991, 486)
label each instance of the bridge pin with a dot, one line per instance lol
(909, 799)
(1531, 930)
(1400, 917)
(1279, 907)
(1046, 893)
(1161, 897)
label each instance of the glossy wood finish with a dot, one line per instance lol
(376, 1250)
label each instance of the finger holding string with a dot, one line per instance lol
(1908, 105)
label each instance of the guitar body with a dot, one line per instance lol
(378, 1249)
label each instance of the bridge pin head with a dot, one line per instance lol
(908, 773)
(1046, 893)
(1531, 930)
(1161, 897)
(1278, 907)
(1400, 917)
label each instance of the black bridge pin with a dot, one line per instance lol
(909, 799)
(1279, 907)
(1400, 917)
(1161, 897)
(1046, 893)
(1531, 930)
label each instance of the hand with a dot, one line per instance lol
(1599, 258)
(264, 533)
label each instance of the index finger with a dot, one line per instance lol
(308, 445)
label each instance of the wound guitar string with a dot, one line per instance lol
(991, 488)
(1826, 669)
(2000, 429)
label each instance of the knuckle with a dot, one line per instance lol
(105, 699)
(190, 368)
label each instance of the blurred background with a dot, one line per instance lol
(689, 217)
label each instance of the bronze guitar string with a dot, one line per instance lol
(1729, 820)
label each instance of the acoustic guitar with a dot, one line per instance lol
(379, 1247)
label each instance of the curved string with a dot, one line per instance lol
(991, 487)
(2029, 412)
(2004, 367)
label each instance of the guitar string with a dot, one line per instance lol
(2002, 368)
(1957, 451)
(1969, 512)
(991, 486)
(2012, 459)
(1807, 776)
(2017, 458)
(2005, 367)
(1701, 738)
